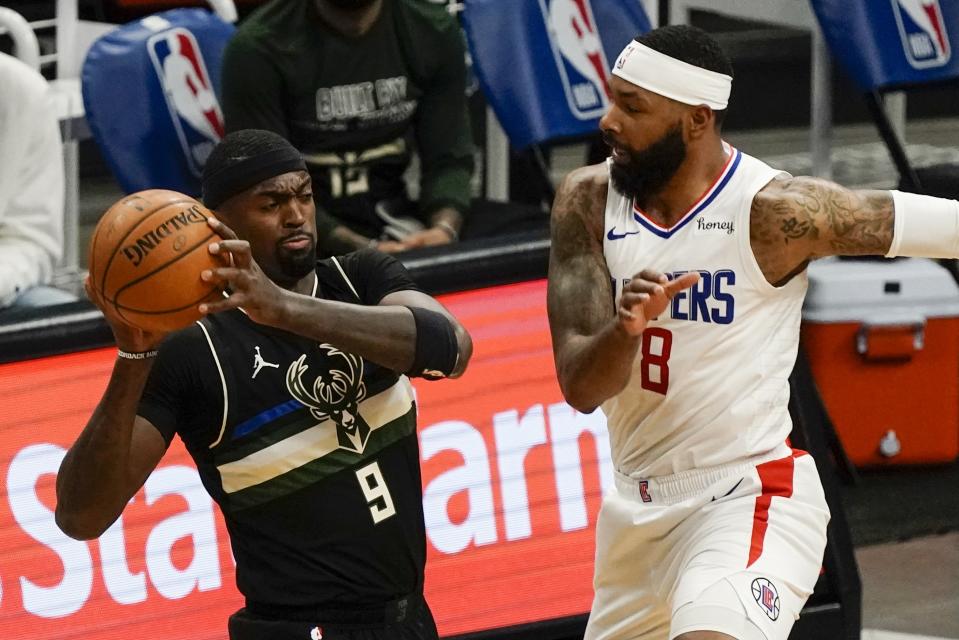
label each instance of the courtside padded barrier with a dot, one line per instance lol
(550, 81)
(43, 331)
(150, 94)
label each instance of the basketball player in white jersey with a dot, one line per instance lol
(676, 282)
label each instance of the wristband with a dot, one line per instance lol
(924, 226)
(136, 355)
(436, 351)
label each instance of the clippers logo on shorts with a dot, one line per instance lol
(923, 32)
(335, 395)
(766, 596)
(189, 94)
(578, 51)
(316, 633)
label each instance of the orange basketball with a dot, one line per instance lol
(146, 256)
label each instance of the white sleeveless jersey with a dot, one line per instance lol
(710, 383)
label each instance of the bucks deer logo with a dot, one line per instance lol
(335, 394)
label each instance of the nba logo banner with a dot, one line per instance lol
(149, 91)
(925, 39)
(551, 82)
(578, 52)
(892, 44)
(189, 94)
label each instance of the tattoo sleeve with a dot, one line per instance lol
(593, 355)
(848, 222)
(805, 218)
(579, 296)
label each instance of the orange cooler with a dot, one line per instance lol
(882, 339)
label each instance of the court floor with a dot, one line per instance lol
(911, 587)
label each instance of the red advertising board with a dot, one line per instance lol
(511, 476)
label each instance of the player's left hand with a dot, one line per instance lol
(245, 282)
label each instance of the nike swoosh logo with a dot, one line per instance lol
(728, 492)
(612, 235)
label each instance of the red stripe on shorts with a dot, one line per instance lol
(776, 477)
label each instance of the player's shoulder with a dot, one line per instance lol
(367, 273)
(585, 185)
(364, 259)
(184, 344)
(784, 193)
(592, 179)
(188, 335)
(579, 205)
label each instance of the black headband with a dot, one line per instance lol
(238, 177)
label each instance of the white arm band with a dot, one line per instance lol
(924, 227)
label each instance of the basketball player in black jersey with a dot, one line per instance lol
(290, 396)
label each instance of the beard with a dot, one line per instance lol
(295, 265)
(351, 5)
(649, 170)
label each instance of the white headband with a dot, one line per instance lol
(672, 78)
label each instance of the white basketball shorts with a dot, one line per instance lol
(735, 549)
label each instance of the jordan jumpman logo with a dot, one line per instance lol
(259, 363)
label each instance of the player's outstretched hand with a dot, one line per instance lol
(127, 337)
(242, 278)
(647, 295)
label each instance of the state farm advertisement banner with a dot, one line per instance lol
(512, 479)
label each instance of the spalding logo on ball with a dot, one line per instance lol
(146, 256)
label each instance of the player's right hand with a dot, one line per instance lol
(646, 296)
(127, 337)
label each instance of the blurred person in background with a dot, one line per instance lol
(358, 86)
(31, 188)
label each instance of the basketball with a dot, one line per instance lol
(146, 256)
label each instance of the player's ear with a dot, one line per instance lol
(700, 120)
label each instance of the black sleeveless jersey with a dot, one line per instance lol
(310, 451)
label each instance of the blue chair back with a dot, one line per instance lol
(544, 64)
(886, 44)
(150, 93)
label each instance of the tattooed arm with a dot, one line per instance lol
(594, 346)
(797, 220)
(593, 354)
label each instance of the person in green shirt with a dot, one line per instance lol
(358, 86)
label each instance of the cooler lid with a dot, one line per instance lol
(888, 291)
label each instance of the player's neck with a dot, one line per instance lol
(351, 23)
(305, 285)
(697, 174)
